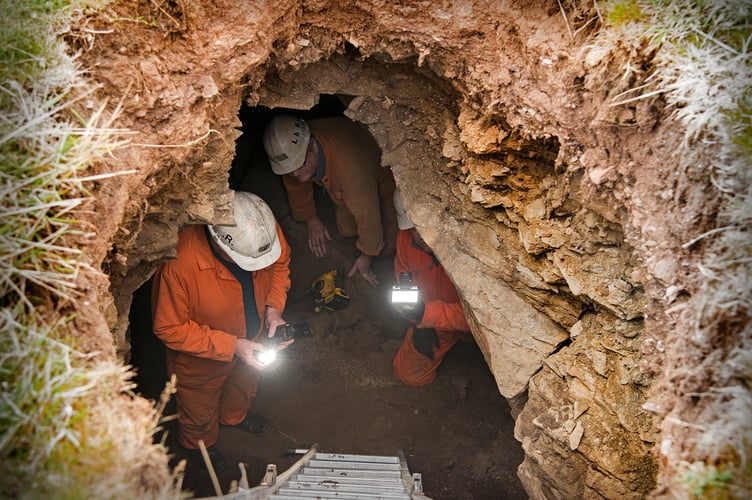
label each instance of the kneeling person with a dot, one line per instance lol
(437, 320)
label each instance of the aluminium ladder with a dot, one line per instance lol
(338, 476)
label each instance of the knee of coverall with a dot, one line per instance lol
(413, 368)
(199, 384)
(238, 393)
(198, 415)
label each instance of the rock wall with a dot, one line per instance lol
(546, 205)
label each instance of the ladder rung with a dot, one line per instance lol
(341, 490)
(374, 474)
(386, 481)
(323, 494)
(363, 487)
(343, 457)
(331, 464)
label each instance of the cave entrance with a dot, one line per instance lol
(336, 388)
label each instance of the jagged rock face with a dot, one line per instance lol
(546, 213)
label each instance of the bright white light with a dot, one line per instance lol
(409, 296)
(267, 356)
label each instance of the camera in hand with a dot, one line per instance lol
(405, 291)
(285, 332)
(288, 332)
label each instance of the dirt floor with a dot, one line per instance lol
(335, 388)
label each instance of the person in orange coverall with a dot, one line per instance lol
(210, 305)
(342, 156)
(437, 321)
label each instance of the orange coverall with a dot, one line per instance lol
(443, 312)
(197, 307)
(360, 188)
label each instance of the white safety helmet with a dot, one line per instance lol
(286, 143)
(252, 243)
(403, 221)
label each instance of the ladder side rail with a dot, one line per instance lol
(295, 468)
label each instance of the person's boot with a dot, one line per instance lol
(253, 423)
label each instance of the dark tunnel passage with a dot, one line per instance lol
(336, 388)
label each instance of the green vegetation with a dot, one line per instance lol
(69, 425)
(704, 70)
(707, 481)
(624, 12)
(24, 50)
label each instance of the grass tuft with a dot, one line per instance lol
(70, 426)
(58, 430)
(624, 12)
(705, 481)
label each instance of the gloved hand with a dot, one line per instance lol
(410, 312)
(424, 340)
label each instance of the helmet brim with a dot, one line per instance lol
(245, 262)
(291, 165)
(404, 222)
(256, 263)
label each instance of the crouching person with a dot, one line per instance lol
(210, 305)
(437, 320)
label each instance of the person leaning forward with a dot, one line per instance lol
(227, 285)
(342, 156)
(437, 321)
